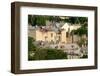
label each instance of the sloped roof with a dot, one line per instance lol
(66, 26)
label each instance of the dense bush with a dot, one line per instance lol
(84, 56)
(55, 54)
(48, 54)
(31, 46)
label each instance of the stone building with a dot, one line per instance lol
(51, 33)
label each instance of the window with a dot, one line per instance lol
(66, 34)
(68, 29)
(51, 34)
(46, 38)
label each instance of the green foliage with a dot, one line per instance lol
(55, 54)
(78, 20)
(29, 19)
(36, 20)
(31, 46)
(41, 21)
(30, 55)
(50, 18)
(72, 20)
(48, 54)
(83, 20)
(40, 54)
(84, 56)
(81, 42)
(80, 31)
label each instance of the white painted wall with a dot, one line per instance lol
(5, 42)
(67, 26)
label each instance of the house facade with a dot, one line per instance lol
(51, 34)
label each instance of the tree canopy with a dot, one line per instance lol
(78, 20)
(40, 20)
(83, 21)
(48, 54)
(36, 20)
(44, 53)
(31, 46)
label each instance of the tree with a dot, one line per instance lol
(56, 54)
(80, 21)
(50, 18)
(29, 19)
(84, 56)
(48, 54)
(32, 19)
(80, 31)
(72, 20)
(36, 20)
(31, 46)
(40, 54)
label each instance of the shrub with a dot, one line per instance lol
(84, 56)
(48, 54)
(31, 46)
(56, 54)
